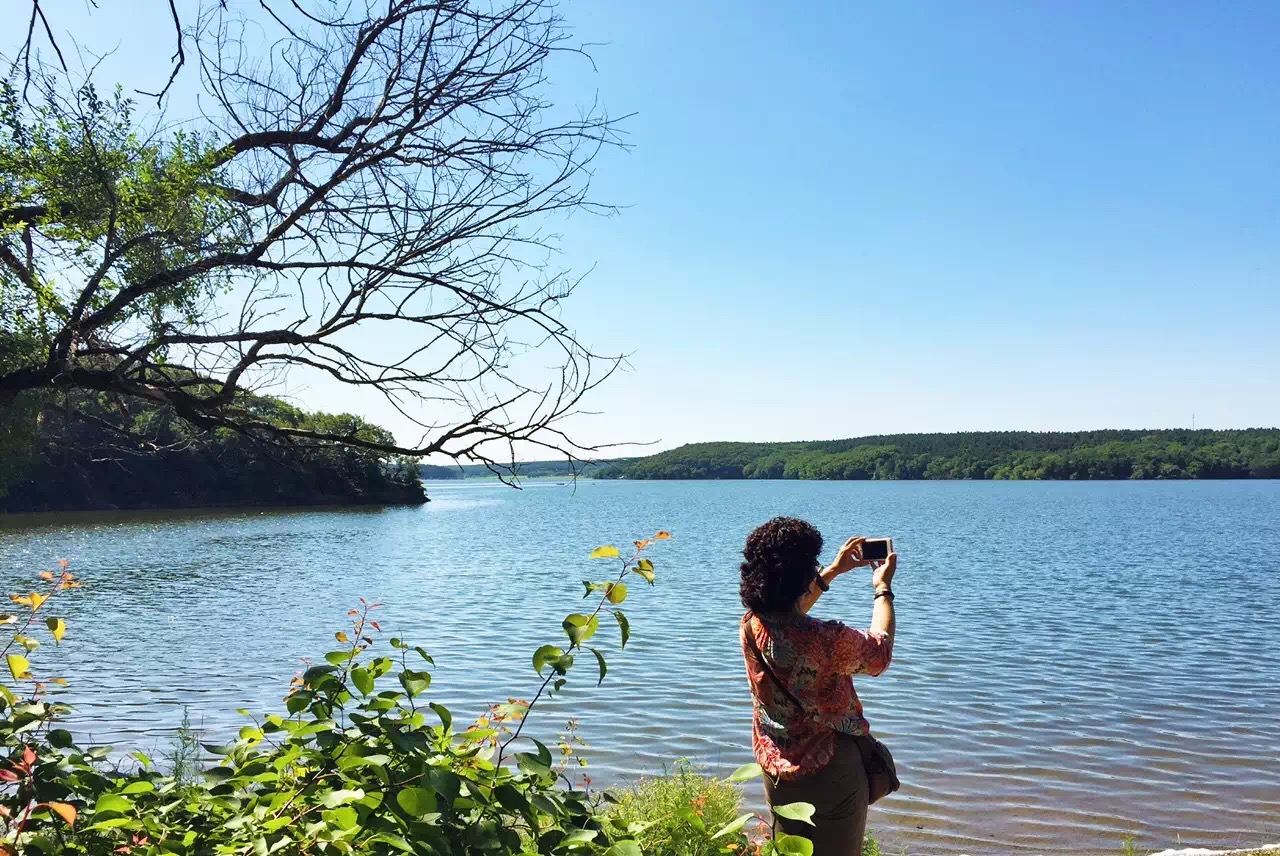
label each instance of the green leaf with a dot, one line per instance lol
(544, 655)
(343, 817)
(109, 823)
(112, 803)
(692, 818)
(793, 845)
(580, 628)
(532, 765)
(544, 754)
(579, 838)
(616, 593)
(545, 804)
(315, 672)
(138, 787)
(413, 682)
(333, 799)
(416, 801)
(625, 848)
(446, 783)
(745, 773)
(363, 680)
(732, 826)
(801, 811)
(603, 667)
(397, 842)
(608, 551)
(510, 797)
(624, 626)
(60, 738)
(338, 658)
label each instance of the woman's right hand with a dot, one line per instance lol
(849, 556)
(882, 575)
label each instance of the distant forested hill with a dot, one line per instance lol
(526, 469)
(1111, 454)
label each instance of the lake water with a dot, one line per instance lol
(1075, 662)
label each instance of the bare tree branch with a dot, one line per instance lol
(179, 58)
(375, 203)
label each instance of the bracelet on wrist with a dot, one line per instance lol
(885, 593)
(823, 584)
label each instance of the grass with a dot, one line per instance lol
(184, 756)
(675, 814)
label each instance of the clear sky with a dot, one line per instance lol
(854, 217)
(939, 216)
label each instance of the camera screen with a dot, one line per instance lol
(875, 549)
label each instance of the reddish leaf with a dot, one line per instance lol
(66, 811)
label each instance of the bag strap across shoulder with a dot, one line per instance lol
(755, 651)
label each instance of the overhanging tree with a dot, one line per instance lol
(368, 193)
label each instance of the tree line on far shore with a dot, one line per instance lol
(108, 453)
(561, 468)
(1012, 455)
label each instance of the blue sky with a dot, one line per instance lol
(848, 217)
(944, 216)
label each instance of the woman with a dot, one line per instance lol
(806, 713)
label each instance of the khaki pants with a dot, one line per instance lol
(839, 793)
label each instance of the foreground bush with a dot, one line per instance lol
(361, 761)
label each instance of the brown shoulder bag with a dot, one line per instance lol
(882, 773)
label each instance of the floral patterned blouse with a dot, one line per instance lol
(815, 659)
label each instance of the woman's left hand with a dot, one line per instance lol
(850, 556)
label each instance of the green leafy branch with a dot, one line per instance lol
(581, 627)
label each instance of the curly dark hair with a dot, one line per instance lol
(781, 563)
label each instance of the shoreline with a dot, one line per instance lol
(1266, 850)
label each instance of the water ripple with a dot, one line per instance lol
(1075, 662)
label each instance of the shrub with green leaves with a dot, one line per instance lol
(361, 761)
